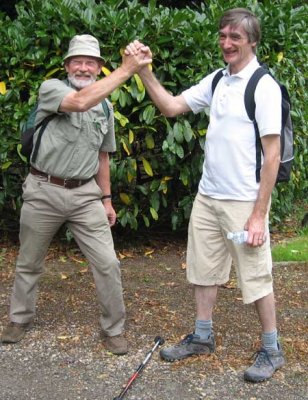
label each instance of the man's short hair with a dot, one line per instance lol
(244, 18)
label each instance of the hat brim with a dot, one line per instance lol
(85, 54)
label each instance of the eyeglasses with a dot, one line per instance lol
(87, 63)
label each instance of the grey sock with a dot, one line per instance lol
(203, 328)
(270, 340)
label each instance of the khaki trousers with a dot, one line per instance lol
(46, 207)
(210, 253)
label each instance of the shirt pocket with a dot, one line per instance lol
(97, 129)
(66, 127)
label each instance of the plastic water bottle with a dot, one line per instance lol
(238, 237)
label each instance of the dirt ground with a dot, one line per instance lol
(63, 358)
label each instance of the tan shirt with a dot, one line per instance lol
(72, 141)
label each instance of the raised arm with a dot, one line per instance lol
(86, 98)
(168, 104)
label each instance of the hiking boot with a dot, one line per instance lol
(265, 364)
(190, 345)
(14, 332)
(116, 344)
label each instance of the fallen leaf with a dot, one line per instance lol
(78, 260)
(232, 284)
(125, 255)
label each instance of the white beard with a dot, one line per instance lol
(80, 83)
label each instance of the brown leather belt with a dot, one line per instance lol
(67, 183)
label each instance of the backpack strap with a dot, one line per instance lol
(216, 79)
(42, 125)
(250, 105)
(106, 109)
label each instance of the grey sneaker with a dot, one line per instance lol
(265, 364)
(14, 332)
(116, 344)
(190, 345)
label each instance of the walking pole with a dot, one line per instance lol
(158, 342)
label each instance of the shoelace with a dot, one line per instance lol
(187, 339)
(262, 357)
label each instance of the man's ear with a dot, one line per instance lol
(254, 46)
(100, 65)
(66, 65)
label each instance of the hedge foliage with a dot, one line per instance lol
(157, 167)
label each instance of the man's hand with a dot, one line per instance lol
(256, 230)
(110, 212)
(138, 49)
(136, 56)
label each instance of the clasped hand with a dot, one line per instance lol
(137, 56)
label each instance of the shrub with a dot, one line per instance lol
(157, 167)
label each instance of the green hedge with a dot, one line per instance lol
(157, 167)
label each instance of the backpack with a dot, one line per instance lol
(29, 129)
(286, 134)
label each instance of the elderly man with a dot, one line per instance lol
(69, 182)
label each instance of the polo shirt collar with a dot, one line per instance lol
(246, 72)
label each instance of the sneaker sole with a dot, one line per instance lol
(19, 338)
(255, 380)
(170, 359)
(13, 341)
(116, 352)
(249, 378)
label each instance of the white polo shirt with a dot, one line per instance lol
(230, 153)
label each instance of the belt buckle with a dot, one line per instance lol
(65, 182)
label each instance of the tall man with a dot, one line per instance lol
(229, 197)
(69, 182)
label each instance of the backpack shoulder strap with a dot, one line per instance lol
(106, 109)
(216, 79)
(249, 96)
(31, 118)
(42, 125)
(250, 105)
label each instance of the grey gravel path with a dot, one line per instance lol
(39, 371)
(62, 358)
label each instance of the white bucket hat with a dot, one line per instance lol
(83, 45)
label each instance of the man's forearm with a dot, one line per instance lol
(103, 174)
(86, 98)
(93, 94)
(267, 182)
(168, 104)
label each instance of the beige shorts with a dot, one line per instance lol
(210, 253)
